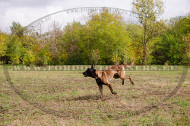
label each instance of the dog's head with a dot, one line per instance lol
(90, 72)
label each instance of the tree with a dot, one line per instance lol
(70, 43)
(15, 50)
(41, 53)
(107, 34)
(52, 41)
(136, 34)
(29, 58)
(17, 29)
(3, 47)
(168, 50)
(148, 12)
(172, 48)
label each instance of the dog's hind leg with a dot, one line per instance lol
(122, 81)
(131, 80)
(124, 77)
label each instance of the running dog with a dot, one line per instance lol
(103, 77)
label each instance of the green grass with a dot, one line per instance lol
(68, 98)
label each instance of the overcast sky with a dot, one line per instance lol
(26, 11)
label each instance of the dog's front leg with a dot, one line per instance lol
(111, 89)
(101, 91)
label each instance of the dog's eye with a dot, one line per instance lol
(93, 70)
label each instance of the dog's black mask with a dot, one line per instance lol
(90, 72)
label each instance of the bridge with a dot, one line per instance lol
(33, 25)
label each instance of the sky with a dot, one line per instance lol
(26, 11)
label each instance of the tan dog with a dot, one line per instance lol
(104, 77)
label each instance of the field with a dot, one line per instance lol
(68, 98)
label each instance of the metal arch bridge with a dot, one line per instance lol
(79, 10)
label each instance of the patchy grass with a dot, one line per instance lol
(67, 98)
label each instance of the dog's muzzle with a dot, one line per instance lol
(84, 74)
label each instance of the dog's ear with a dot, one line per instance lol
(92, 66)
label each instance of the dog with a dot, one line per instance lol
(103, 77)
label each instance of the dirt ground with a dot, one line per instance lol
(67, 98)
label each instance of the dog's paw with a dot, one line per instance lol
(132, 83)
(114, 93)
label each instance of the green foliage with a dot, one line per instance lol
(168, 49)
(29, 58)
(71, 41)
(171, 48)
(95, 56)
(63, 57)
(3, 44)
(15, 50)
(148, 15)
(136, 34)
(42, 55)
(104, 39)
(108, 34)
(17, 29)
(4, 38)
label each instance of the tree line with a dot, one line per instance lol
(104, 39)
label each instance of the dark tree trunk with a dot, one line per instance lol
(144, 53)
(144, 45)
